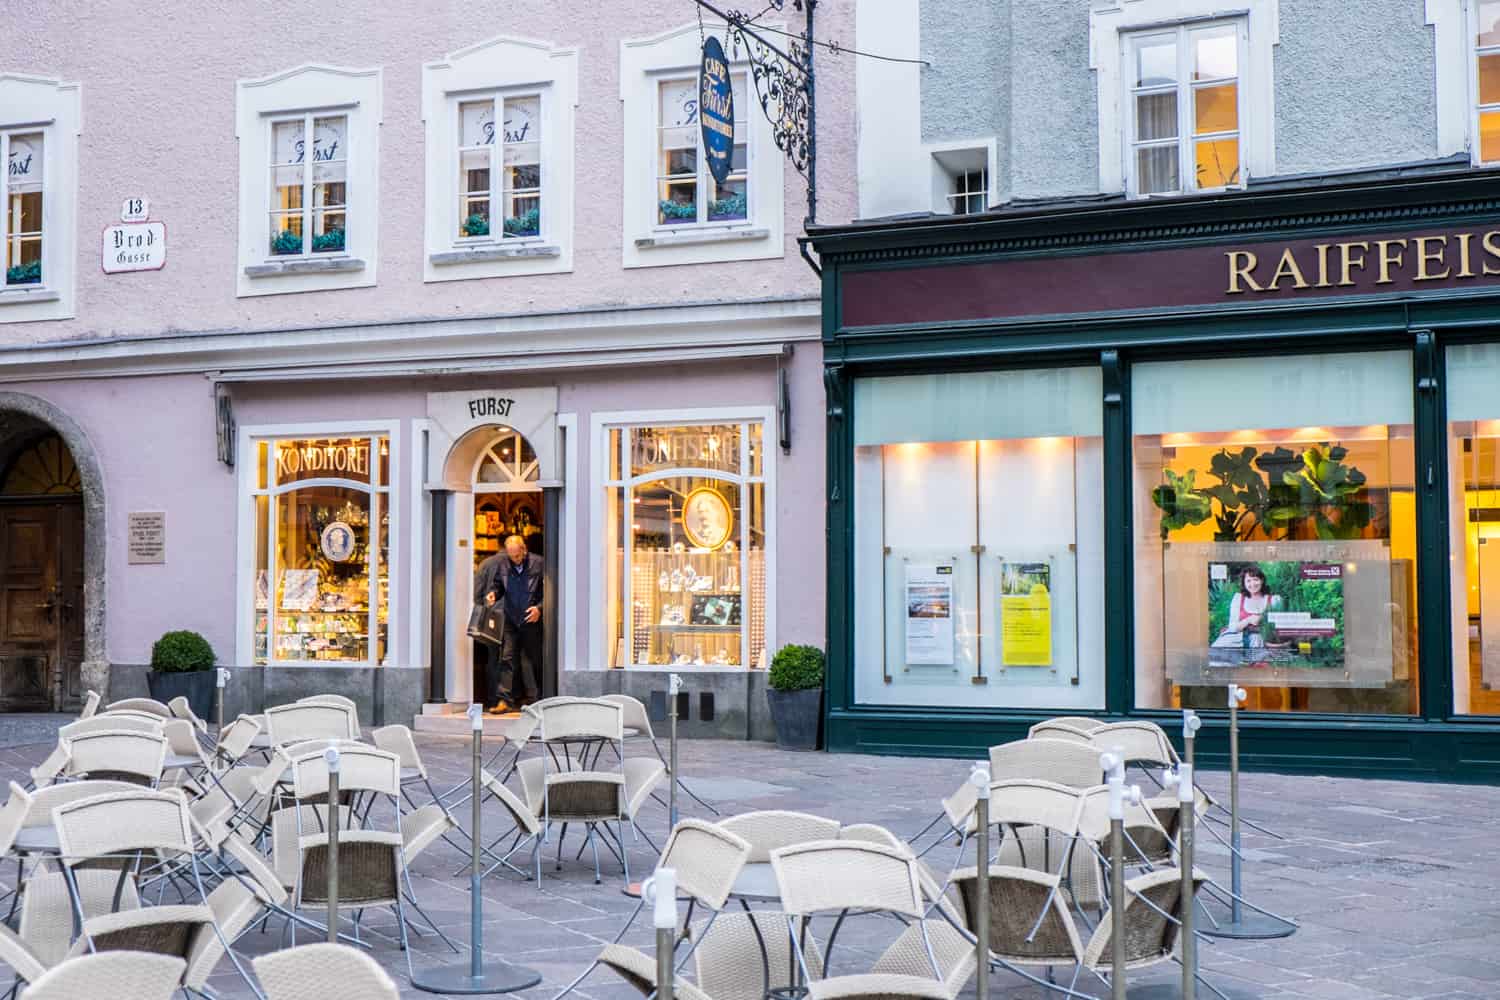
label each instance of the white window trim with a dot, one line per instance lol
(600, 424)
(644, 62)
(244, 616)
(30, 104)
(1455, 30)
(987, 146)
(317, 90)
(504, 66)
(1111, 21)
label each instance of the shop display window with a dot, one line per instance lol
(1275, 532)
(322, 540)
(685, 533)
(979, 540)
(1474, 525)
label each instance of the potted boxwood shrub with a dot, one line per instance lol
(182, 664)
(795, 694)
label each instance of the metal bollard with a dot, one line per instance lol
(979, 777)
(674, 685)
(221, 681)
(1186, 814)
(476, 978)
(1113, 765)
(1237, 696)
(661, 891)
(331, 758)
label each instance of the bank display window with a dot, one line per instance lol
(1275, 532)
(979, 545)
(322, 537)
(1474, 525)
(685, 537)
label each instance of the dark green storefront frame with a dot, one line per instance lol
(1437, 744)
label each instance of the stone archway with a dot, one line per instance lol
(95, 667)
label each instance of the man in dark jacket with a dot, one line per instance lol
(515, 581)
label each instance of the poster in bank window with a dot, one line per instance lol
(929, 614)
(1276, 614)
(1025, 614)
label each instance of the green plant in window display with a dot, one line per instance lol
(476, 225)
(24, 274)
(732, 207)
(331, 240)
(1181, 505)
(286, 242)
(525, 224)
(679, 211)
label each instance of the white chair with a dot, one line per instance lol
(303, 721)
(563, 790)
(90, 704)
(638, 719)
(116, 975)
(929, 960)
(181, 709)
(426, 822)
(333, 699)
(118, 755)
(323, 972)
(150, 706)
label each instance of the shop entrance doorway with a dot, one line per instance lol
(41, 577)
(507, 499)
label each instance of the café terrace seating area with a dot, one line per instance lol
(152, 853)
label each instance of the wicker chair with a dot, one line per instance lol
(323, 972)
(707, 860)
(150, 706)
(249, 892)
(117, 830)
(770, 829)
(1065, 728)
(1030, 923)
(372, 862)
(118, 755)
(843, 876)
(181, 709)
(303, 721)
(638, 719)
(427, 822)
(236, 740)
(90, 704)
(118, 975)
(570, 791)
(525, 828)
(334, 699)
(1153, 928)
(747, 955)
(136, 722)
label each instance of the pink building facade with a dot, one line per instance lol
(306, 310)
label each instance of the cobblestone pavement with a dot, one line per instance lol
(1394, 883)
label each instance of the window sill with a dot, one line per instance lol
(496, 252)
(700, 237)
(312, 265)
(14, 296)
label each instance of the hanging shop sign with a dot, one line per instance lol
(716, 109)
(134, 246)
(1381, 263)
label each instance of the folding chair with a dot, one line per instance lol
(638, 719)
(303, 721)
(149, 706)
(117, 975)
(323, 972)
(118, 755)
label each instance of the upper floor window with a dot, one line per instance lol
(21, 226)
(970, 194)
(39, 254)
(1185, 109)
(1487, 80)
(499, 160)
(500, 168)
(309, 180)
(309, 184)
(687, 192)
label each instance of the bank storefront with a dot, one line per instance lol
(1107, 459)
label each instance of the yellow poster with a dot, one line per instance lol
(1025, 615)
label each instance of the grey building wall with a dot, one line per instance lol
(1354, 87)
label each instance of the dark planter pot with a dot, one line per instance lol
(197, 686)
(797, 715)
